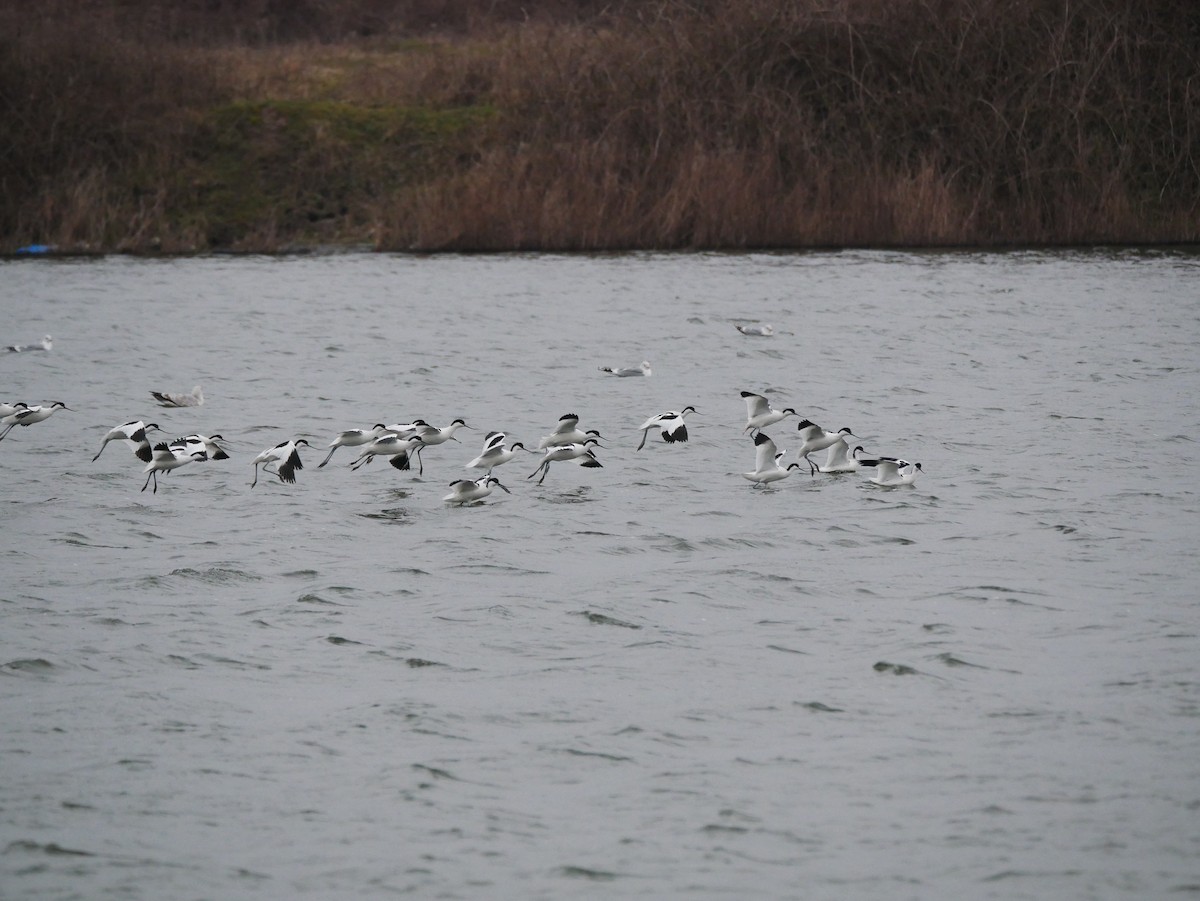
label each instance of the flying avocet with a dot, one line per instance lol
(286, 456)
(673, 427)
(466, 491)
(759, 414)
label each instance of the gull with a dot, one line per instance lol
(192, 443)
(397, 447)
(816, 438)
(166, 399)
(759, 414)
(840, 458)
(567, 432)
(166, 458)
(581, 453)
(626, 372)
(354, 438)
(766, 462)
(464, 491)
(133, 434)
(672, 425)
(494, 453)
(29, 415)
(766, 330)
(44, 344)
(893, 473)
(286, 456)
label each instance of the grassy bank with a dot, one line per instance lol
(466, 125)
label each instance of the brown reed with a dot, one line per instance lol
(473, 125)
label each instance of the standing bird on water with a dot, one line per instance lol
(167, 399)
(354, 438)
(673, 427)
(759, 414)
(166, 458)
(628, 371)
(465, 491)
(29, 415)
(766, 330)
(766, 463)
(286, 454)
(133, 434)
(44, 344)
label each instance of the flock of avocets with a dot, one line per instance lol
(402, 444)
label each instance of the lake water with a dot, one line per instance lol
(644, 680)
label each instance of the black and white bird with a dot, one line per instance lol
(286, 457)
(45, 344)
(206, 443)
(840, 458)
(759, 413)
(671, 423)
(567, 432)
(495, 453)
(27, 416)
(404, 429)
(354, 438)
(432, 436)
(628, 371)
(466, 491)
(815, 438)
(7, 409)
(581, 453)
(767, 458)
(397, 448)
(167, 399)
(133, 434)
(166, 458)
(893, 473)
(764, 330)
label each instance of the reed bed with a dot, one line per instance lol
(465, 125)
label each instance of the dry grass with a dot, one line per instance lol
(474, 125)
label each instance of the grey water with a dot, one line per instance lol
(649, 679)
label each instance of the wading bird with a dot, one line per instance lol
(166, 458)
(581, 453)
(815, 438)
(567, 432)
(766, 463)
(286, 456)
(354, 438)
(466, 491)
(759, 414)
(29, 415)
(673, 427)
(494, 452)
(133, 434)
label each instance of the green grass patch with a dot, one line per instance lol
(311, 170)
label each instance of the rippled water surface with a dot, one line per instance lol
(644, 680)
